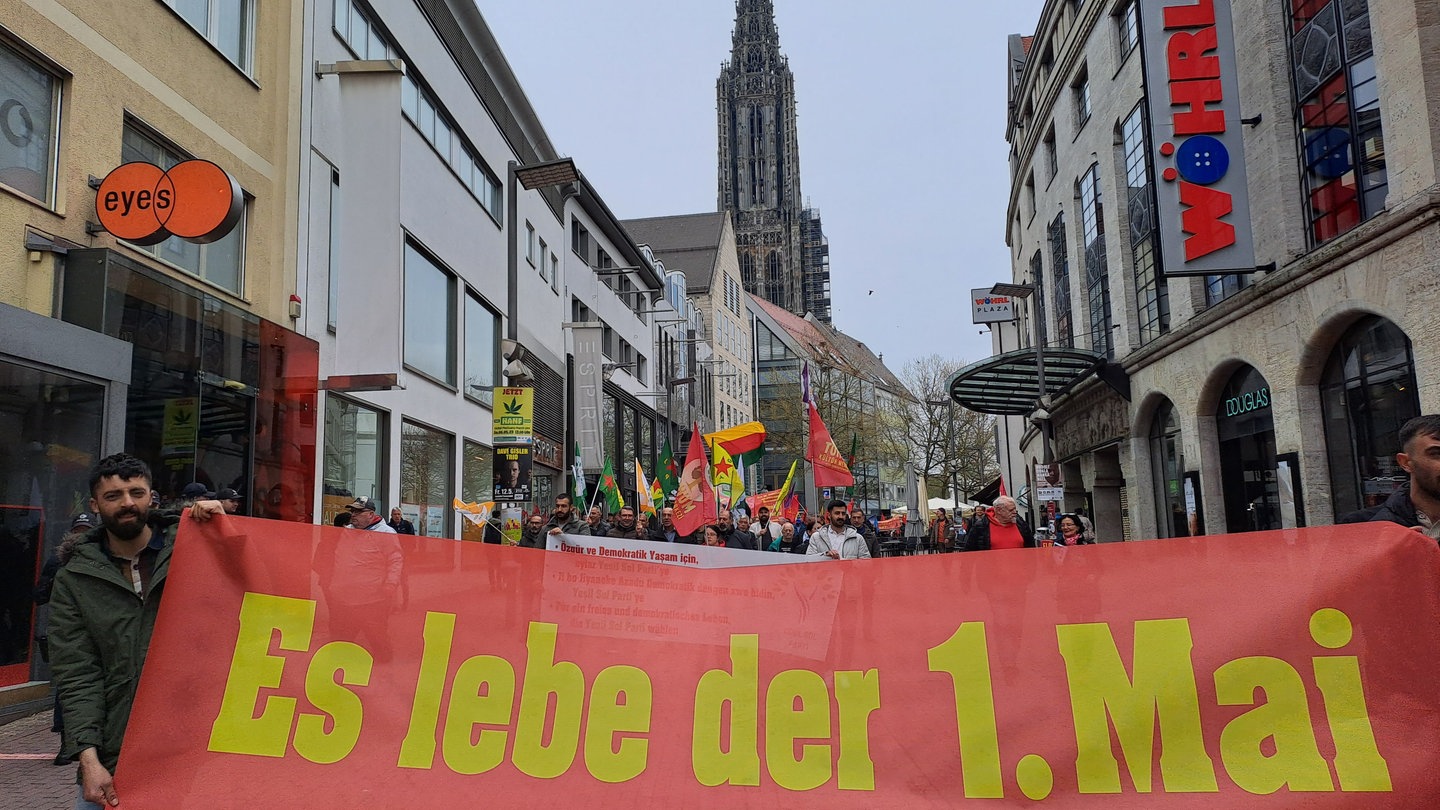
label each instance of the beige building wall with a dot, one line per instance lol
(730, 336)
(142, 60)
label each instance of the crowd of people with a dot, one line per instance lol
(105, 584)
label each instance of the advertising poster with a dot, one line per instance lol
(512, 473)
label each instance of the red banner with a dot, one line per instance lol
(1270, 670)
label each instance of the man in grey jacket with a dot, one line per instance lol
(837, 539)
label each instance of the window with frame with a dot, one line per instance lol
(1127, 22)
(332, 261)
(30, 123)
(1060, 267)
(580, 240)
(429, 317)
(530, 246)
(354, 454)
(477, 482)
(1080, 92)
(1152, 295)
(1097, 271)
(362, 37)
(1341, 141)
(427, 477)
(482, 358)
(544, 262)
(1037, 275)
(554, 272)
(221, 262)
(1052, 157)
(422, 110)
(229, 25)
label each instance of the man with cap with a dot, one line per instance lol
(230, 499)
(362, 516)
(195, 491)
(365, 579)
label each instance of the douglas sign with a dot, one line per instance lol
(1194, 106)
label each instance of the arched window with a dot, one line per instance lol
(1367, 392)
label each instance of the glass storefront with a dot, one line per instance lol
(477, 483)
(1245, 426)
(51, 428)
(427, 478)
(355, 442)
(1367, 392)
(217, 395)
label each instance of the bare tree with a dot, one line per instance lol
(954, 447)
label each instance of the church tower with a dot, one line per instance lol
(784, 256)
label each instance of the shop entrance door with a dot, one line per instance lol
(1246, 429)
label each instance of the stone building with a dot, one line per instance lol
(1260, 398)
(784, 256)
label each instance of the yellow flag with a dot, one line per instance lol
(642, 491)
(728, 485)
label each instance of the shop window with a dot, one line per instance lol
(429, 317)
(482, 338)
(229, 25)
(1249, 465)
(1367, 392)
(221, 262)
(29, 124)
(427, 478)
(477, 483)
(1097, 271)
(354, 456)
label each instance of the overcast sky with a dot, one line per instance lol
(901, 114)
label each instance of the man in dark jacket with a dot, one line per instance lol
(533, 534)
(399, 523)
(1004, 523)
(563, 519)
(1418, 505)
(624, 527)
(102, 613)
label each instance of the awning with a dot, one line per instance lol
(1008, 384)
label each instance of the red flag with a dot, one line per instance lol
(791, 509)
(1002, 485)
(695, 497)
(830, 468)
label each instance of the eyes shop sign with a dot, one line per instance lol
(988, 308)
(195, 200)
(1195, 134)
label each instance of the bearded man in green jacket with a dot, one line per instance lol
(102, 613)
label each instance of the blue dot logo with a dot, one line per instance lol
(1202, 160)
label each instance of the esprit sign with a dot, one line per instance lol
(987, 308)
(195, 200)
(1194, 105)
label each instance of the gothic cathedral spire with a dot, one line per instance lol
(784, 257)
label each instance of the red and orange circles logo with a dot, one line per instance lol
(195, 200)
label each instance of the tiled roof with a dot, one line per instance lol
(831, 347)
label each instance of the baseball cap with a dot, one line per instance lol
(196, 490)
(363, 503)
(228, 494)
(83, 519)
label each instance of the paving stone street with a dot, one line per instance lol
(29, 779)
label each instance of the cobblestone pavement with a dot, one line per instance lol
(29, 779)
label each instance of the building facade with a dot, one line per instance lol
(784, 256)
(1243, 400)
(181, 353)
(857, 396)
(702, 247)
(448, 248)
